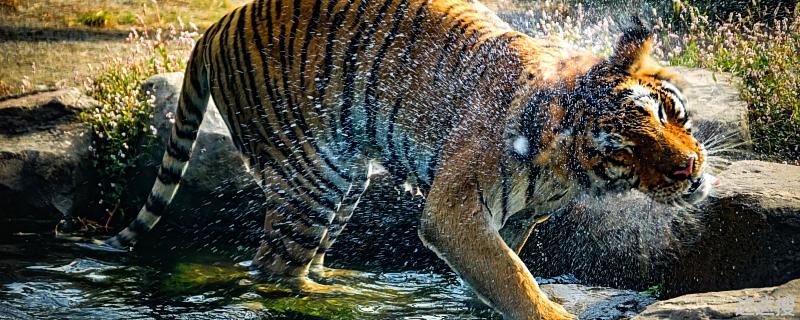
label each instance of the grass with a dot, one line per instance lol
(27, 64)
(126, 14)
(655, 291)
(52, 42)
(12, 5)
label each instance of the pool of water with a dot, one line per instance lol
(46, 278)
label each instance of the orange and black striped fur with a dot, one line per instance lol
(495, 126)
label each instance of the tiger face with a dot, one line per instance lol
(641, 134)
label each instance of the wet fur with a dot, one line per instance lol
(493, 125)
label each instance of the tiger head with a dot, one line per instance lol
(638, 133)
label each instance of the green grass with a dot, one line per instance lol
(655, 291)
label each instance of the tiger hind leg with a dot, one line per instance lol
(293, 236)
(375, 171)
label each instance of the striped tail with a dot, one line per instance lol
(189, 115)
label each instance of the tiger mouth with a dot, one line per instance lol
(698, 190)
(696, 183)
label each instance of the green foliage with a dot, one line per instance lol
(122, 122)
(766, 57)
(128, 18)
(97, 19)
(656, 291)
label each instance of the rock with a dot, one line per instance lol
(781, 302)
(751, 235)
(717, 110)
(45, 174)
(598, 302)
(746, 235)
(217, 200)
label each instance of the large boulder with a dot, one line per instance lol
(45, 175)
(751, 235)
(781, 302)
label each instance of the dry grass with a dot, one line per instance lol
(25, 65)
(52, 42)
(12, 5)
(125, 13)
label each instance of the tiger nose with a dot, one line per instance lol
(686, 171)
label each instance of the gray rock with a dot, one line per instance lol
(45, 175)
(751, 235)
(597, 302)
(215, 159)
(781, 302)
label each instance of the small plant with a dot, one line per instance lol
(128, 18)
(122, 121)
(656, 291)
(99, 19)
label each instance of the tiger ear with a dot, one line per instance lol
(632, 54)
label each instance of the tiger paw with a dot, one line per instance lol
(325, 272)
(555, 311)
(307, 286)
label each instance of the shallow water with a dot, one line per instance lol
(43, 278)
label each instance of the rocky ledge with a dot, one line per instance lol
(781, 302)
(44, 168)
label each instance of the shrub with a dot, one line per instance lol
(97, 19)
(122, 122)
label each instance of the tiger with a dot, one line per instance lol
(491, 126)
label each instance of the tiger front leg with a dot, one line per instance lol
(454, 225)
